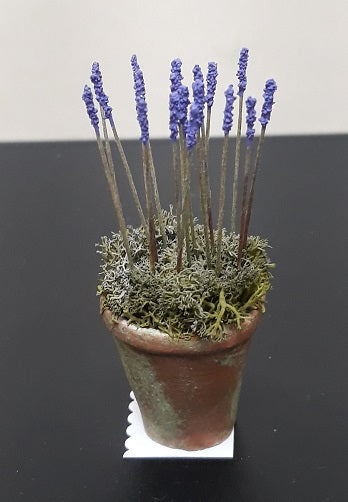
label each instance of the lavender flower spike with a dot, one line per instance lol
(211, 83)
(141, 106)
(184, 101)
(101, 97)
(134, 64)
(268, 94)
(241, 73)
(193, 126)
(173, 114)
(228, 113)
(87, 97)
(250, 119)
(198, 92)
(175, 75)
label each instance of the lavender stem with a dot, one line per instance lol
(129, 176)
(157, 197)
(153, 257)
(250, 133)
(183, 234)
(207, 188)
(236, 166)
(177, 194)
(203, 198)
(243, 216)
(253, 179)
(221, 204)
(116, 199)
(207, 132)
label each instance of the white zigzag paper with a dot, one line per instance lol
(139, 445)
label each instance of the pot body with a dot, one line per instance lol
(187, 391)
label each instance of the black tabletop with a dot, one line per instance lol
(63, 393)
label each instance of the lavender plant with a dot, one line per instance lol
(174, 272)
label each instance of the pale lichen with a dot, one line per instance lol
(194, 301)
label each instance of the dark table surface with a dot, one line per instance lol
(63, 393)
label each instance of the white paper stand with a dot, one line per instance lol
(139, 445)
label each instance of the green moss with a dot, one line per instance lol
(195, 300)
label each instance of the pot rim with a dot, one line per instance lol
(157, 342)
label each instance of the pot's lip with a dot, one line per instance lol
(155, 341)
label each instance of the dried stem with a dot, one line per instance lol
(253, 179)
(243, 231)
(207, 131)
(107, 148)
(187, 210)
(108, 169)
(147, 181)
(185, 160)
(176, 179)
(221, 204)
(236, 166)
(184, 223)
(157, 197)
(177, 198)
(207, 188)
(203, 198)
(129, 175)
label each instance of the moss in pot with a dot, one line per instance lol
(181, 297)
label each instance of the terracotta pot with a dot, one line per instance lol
(187, 391)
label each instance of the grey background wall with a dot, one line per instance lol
(48, 46)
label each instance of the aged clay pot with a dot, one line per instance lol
(187, 391)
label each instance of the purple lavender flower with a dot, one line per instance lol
(134, 63)
(268, 94)
(211, 83)
(228, 113)
(241, 73)
(173, 114)
(193, 125)
(175, 75)
(198, 92)
(250, 118)
(140, 102)
(87, 97)
(183, 103)
(101, 97)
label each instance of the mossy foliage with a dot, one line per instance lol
(193, 301)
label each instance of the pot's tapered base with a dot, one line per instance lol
(140, 445)
(187, 390)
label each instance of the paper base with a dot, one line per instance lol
(139, 445)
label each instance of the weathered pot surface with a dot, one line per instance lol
(187, 390)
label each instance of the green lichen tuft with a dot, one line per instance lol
(195, 300)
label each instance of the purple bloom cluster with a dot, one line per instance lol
(197, 108)
(141, 106)
(198, 88)
(178, 103)
(250, 118)
(241, 73)
(175, 75)
(101, 97)
(173, 114)
(211, 83)
(87, 97)
(228, 112)
(268, 94)
(134, 63)
(183, 105)
(178, 100)
(193, 126)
